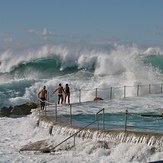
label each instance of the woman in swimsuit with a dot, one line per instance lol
(67, 93)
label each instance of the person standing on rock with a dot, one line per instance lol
(43, 96)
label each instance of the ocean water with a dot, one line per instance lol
(19, 131)
(24, 71)
(85, 67)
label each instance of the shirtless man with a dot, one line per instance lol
(60, 95)
(43, 97)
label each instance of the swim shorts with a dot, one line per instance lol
(60, 95)
(43, 99)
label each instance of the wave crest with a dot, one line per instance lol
(103, 59)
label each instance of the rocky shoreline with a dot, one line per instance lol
(23, 109)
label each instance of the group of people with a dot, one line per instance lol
(43, 95)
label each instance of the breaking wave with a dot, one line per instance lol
(24, 71)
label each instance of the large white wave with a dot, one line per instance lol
(99, 66)
(112, 56)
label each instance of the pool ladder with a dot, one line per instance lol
(73, 135)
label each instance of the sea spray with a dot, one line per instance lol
(25, 71)
(83, 66)
(104, 135)
(23, 130)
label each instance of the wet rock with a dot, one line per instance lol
(5, 112)
(31, 104)
(21, 110)
(97, 99)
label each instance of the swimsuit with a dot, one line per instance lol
(67, 90)
(60, 94)
(42, 99)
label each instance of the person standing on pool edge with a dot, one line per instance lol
(43, 97)
(67, 93)
(60, 95)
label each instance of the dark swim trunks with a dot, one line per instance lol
(43, 99)
(60, 95)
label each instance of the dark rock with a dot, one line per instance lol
(97, 99)
(31, 104)
(6, 111)
(21, 110)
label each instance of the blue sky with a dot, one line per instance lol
(24, 22)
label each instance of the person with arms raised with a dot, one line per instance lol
(60, 95)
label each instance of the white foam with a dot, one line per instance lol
(16, 132)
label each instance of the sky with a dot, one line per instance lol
(27, 22)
